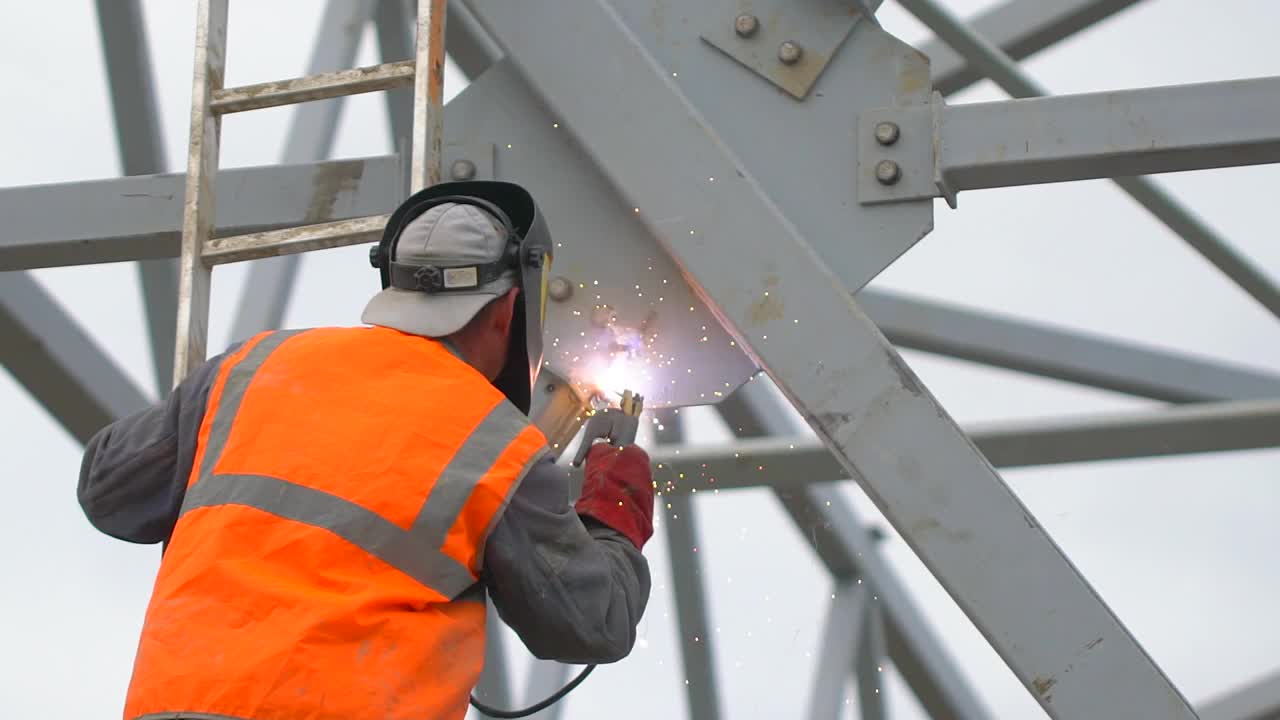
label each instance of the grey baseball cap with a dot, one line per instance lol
(447, 235)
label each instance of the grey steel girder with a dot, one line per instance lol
(49, 354)
(841, 637)
(137, 218)
(122, 27)
(968, 527)
(311, 135)
(1180, 430)
(1021, 28)
(494, 686)
(998, 66)
(1069, 137)
(692, 618)
(546, 678)
(1259, 700)
(844, 546)
(1068, 355)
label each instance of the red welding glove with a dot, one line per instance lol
(617, 490)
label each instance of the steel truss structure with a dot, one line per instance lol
(693, 98)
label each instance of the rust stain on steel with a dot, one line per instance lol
(1043, 685)
(334, 179)
(905, 376)
(767, 308)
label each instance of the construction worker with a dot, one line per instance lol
(336, 502)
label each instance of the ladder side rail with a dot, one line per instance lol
(192, 332)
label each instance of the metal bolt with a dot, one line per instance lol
(746, 25)
(462, 170)
(888, 172)
(559, 288)
(789, 53)
(551, 387)
(887, 133)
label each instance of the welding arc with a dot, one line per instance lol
(526, 712)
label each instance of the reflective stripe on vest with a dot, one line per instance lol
(415, 552)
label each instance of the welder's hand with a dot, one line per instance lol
(611, 424)
(617, 490)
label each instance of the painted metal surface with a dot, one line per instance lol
(139, 138)
(995, 64)
(847, 548)
(840, 639)
(956, 513)
(1021, 28)
(787, 43)
(1182, 430)
(949, 148)
(1068, 355)
(50, 355)
(1258, 700)
(628, 297)
(693, 620)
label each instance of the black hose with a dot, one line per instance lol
(555, 698)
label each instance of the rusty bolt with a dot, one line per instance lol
(887, 133)
(559, 288)
(463, 170)
(888, 172)
(746, 25)
(789, 53)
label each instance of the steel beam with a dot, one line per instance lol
(873, 653)
(841, 636)
(1259, 700)
(950, 148)
(50, 355)
(140, 140)
(1021, 28)
(468, 43)
(995, 64)
(545, 679)
(968, 527)
(137, 218)
(1070, 356)
(494, 687)
(695, 629)
(314, 127)
(844, 546)
(1188, 429)
(394, 21)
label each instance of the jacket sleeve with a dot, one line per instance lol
(572, 589)
(134, 472)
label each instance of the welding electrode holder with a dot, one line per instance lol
(617, 426)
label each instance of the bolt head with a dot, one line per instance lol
(462, 170)
(888, 172)
(887, 133)
(559, 288)
(746, 25)
(790, 53)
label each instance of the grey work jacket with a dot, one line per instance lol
(572, 589)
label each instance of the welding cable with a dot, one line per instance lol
(555, 698)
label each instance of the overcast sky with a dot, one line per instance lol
(1182, 549)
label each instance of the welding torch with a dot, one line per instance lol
(617, 426)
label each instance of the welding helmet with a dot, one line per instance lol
(440, 264)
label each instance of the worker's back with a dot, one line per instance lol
(332, 533)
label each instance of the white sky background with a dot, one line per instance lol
(1182, 549)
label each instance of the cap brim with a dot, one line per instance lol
(418, 313)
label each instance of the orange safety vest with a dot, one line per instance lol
(326, 559)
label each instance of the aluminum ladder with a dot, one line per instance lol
(210, 101)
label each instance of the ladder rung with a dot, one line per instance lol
(313, 87)
(289, 241)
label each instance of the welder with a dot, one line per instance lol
(335, 503)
